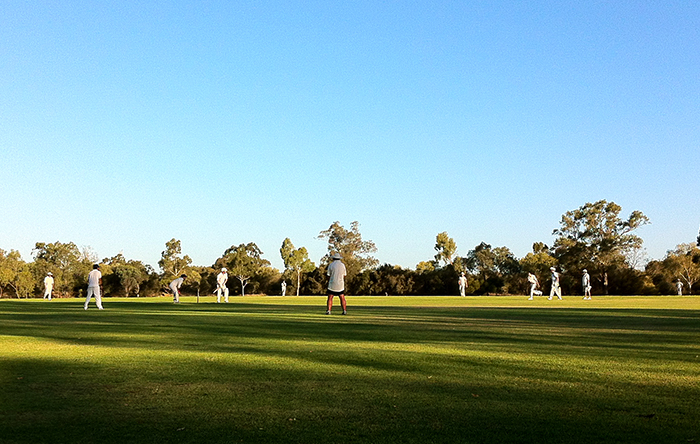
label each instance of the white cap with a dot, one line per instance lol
(336, 256)
(49, 274)
(224, 270)
(585, 271)
(552, 268)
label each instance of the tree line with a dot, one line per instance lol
(593, 237)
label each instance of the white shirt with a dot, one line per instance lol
(586, 280)
(336, 270)
(48, 282)
(174, 285)
(555, 278)
(531, 278)
(94, 278)
(221, 279)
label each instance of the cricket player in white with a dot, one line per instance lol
(284, 288)
(94, 283)
(336, 283)
(586, 282)
(221, 287)
(462, 284)
(175, 288)
(555, 285)
(679, 287)
(534, 283)
(48, 286)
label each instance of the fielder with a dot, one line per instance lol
(679, 287)
(586, 282)
(462, 285)
(175, 288)
(221, 280)
(48, 285)
(555, 285)
(284, 288)
(534, 283)
(94, 283)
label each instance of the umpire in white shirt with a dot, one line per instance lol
(336, 283)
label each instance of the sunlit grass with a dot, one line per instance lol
(418, 369)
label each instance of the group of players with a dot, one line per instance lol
(534, 284)
(336, 285)
(556, 289)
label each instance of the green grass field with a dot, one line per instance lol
(395, 370)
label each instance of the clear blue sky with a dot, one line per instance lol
(126, 124)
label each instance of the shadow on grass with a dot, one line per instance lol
(51, 401)
(276, 373)
(217, 327)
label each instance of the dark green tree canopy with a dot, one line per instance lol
(445, 247)
(356, 252)
(132, 274)
(171, 262)
(244, 261)
(595, 235)
(16, 274)
(296, 261)
(69, 267)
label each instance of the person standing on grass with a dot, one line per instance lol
(284, 288)
(534, 283)
(555, 285)
(175, 288)
(48, 285)
(462, 284)
(94, 284)
(336, 283)
(679, 287)
(221, 287)
(586, 282)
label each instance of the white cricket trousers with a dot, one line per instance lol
(556, 290)
(218, 294)
(98, 298)
(176, 294)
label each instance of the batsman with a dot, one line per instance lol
(221, 287)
